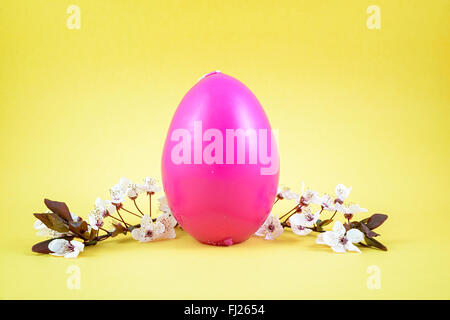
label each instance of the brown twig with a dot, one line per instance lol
(130, 212)
(108, 235)
(295, 208)
(126, 225)
(135, 204)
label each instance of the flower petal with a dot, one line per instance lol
(136, 234)
(355, 208)
(295, 219)
(260, 232)
(351, 247)
(300, 230)
(316, 216)
(78, 245)
(305, 222)
(39, 225)
(330, 238)
(75, 217)
(355, 236)
(339, 229)
(158, 228)
(269, 236)
(146, 221)
(338, 248)
(124, 183)
(99, 203)
(342, 192)
(58, 246)
(169, 234)
(341, 208)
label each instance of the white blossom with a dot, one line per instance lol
(65, 248)
(95, 219)
(119, 191)
(308, 197)
(271, 228)
(287, 193)
(342, 192)
(302, 222)
(325, 201)
(299, 229)
(117, 194)
(339, 240)
(105, 207)
(132, 191)
(148, 231)
(150, 186)
(169, 223)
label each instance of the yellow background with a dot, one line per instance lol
(367, 108)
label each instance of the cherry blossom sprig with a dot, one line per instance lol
(302, 220)
(69, 234)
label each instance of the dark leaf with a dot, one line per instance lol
(376, 220)
(60, 208)
(42, 247)
(363, 244)
(58, 223)
(52, 221)
(374, 243)
(44, 218)
(365, 229)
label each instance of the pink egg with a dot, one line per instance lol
(220, 163)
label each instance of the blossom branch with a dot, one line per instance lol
(63, 227)
(302, 221)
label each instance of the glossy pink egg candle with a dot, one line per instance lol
(220, 163)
